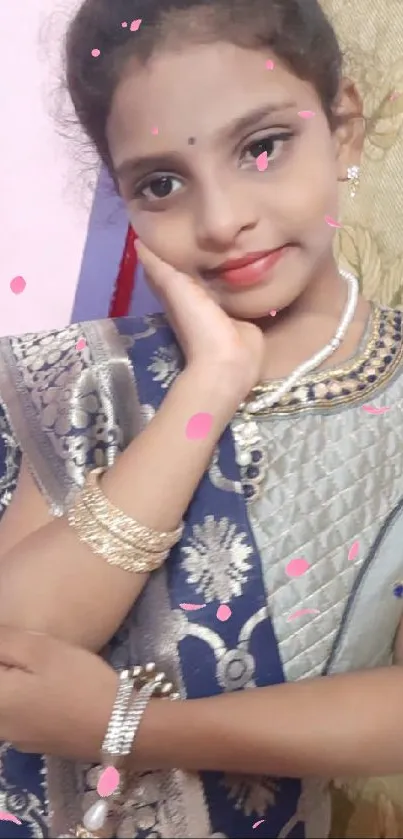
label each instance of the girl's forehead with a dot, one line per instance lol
(203, 86)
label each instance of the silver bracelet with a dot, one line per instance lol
(113, 737)
(136, 688)
(135, 715)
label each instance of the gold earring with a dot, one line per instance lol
(353, 175)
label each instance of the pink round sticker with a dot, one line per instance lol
(199, 426)
(297, 567)
(223, 612)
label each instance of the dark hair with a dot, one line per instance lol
(297, 31)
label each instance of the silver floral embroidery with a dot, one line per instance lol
(20, 802)
(165, 365)
(251, 795)
(215, 559)
(11, 463)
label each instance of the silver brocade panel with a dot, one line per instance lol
(330, 533)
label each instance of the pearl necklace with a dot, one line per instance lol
(245, 428)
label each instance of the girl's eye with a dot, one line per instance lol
(159, 188)
(273, 145)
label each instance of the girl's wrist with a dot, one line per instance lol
(215, 387)
(159, 731)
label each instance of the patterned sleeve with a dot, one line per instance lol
(70, 405)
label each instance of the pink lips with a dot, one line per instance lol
(249, 271)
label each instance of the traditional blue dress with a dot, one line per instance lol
(304, 545)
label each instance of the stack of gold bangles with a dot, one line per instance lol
(119, 539)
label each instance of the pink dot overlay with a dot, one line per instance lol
(154, 131)
(81, 344)
(370, 409)
(124, 24)
(306, 114)
(8, 817)
(332, 222)
(223, 612)
(262, 161)
(353, 552)
(135, 25)
(18, 285)
(96, 53)
(273, 313)
(297, 567)
(108, 782)
(269, 65)
(199, 426)
(192, 607)
(258, 823)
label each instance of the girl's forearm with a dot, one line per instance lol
(327, 727)
(85, 599)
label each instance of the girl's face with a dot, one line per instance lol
(185, 132)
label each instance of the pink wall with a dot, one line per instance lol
(43, 212)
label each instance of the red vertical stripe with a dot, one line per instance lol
(124, 286)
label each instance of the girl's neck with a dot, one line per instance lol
(310, 323)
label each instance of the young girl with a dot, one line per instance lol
(246, 534)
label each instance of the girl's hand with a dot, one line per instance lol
(55, 699)
(208, 337)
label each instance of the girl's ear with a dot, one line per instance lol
(349, 134)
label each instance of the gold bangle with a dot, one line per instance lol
(119, 523)
(113, 535)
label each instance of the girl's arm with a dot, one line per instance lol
(49, 580)
(330, 726)
(57, 699)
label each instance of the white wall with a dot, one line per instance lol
(43, 212)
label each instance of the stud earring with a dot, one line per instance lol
(353, 175)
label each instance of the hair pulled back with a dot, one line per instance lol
(297, 31)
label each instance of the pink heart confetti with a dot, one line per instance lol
(135, 25)
(273, 313)
(8, 817)
(332, 222)
(371, 410)
(301, 612)
(297, 567)
(269, 64)
(353, 552)
(306, 114)
(223, 612)
(258, 823)
(81, 344)
(262, 161)
(199, 426)
(192, 607)
(96, 53)
(108, 782)
(18, 285)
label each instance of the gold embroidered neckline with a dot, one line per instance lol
(378, 357)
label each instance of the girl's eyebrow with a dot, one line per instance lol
(244, 122)
(138, 166)
(142, 165)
